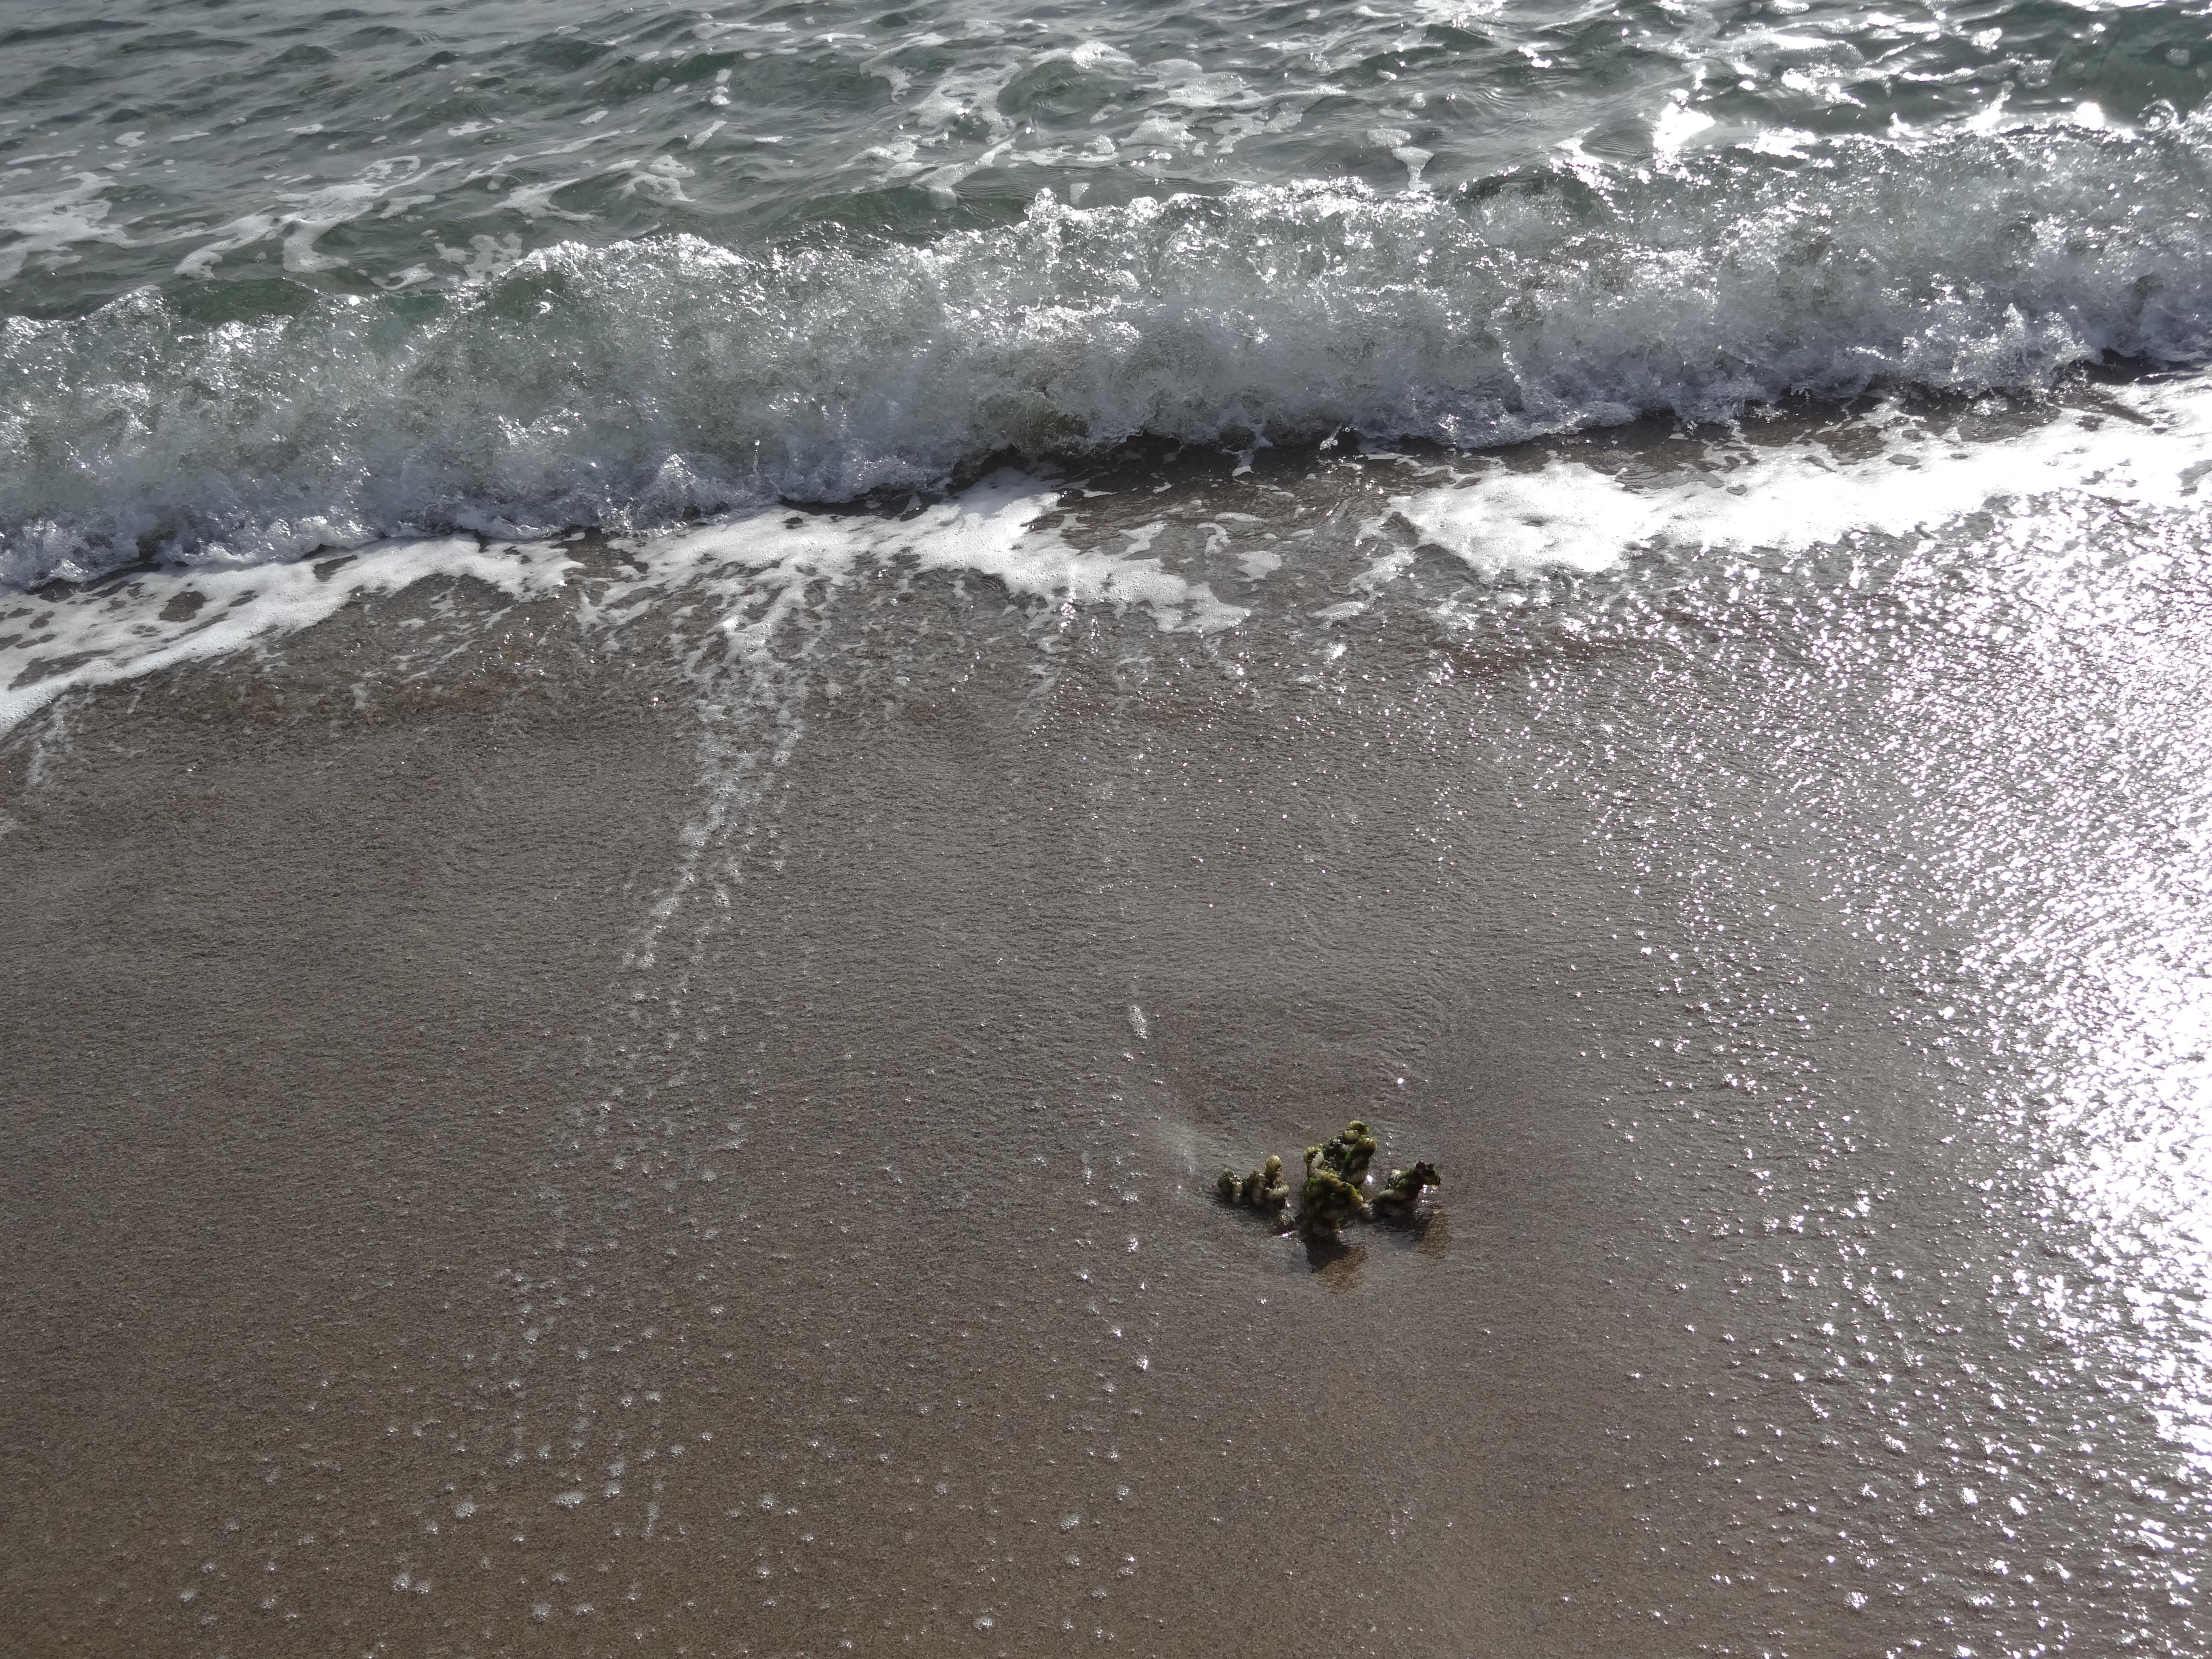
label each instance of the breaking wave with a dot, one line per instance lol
(653, 382)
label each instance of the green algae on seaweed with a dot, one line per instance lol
(1402, 1191)
(1334, 1191)
(1336, 1177)
(1264, 1190)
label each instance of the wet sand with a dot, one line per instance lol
(549, 1156)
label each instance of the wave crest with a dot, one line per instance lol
(649, 382)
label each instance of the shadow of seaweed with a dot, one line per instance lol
(1337, 1263)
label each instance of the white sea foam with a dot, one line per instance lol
(164, 617)
(2144, 445)
(642, 384)
(49, 221)
(1001, 529)
(751, 570)
(1888, 471)
(1885, 472)
(305, 216)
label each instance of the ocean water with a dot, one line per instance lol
(1622, 590)
(277, 283)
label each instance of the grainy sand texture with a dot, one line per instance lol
(585, 1131)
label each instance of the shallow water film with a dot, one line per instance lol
(698, 708)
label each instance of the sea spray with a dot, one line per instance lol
(643, 383)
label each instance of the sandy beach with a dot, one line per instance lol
(701, 707)
(529, 1143)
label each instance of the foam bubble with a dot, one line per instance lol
(305, 216)
(47, 222)
(753, 568)
(1890, 473)
(998, 528)
(97, 636)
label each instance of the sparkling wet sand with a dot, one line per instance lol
(538, 1157)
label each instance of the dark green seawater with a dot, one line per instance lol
(277, 280)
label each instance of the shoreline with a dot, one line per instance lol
(687, 1110)
(1162, 530)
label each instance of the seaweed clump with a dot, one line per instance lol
(1336, 1177)
(1264, 1190)
(1334, 1193)
(1402, 1191)
(1344, 1154)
